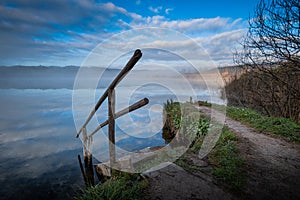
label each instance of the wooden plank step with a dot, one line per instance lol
(126, 163)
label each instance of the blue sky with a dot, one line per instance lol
(55, 32)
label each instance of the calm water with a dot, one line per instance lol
(38, 147)
(37, 131)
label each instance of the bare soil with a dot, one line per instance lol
(272, 169)
(173, 182)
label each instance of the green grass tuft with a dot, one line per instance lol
(228, 164)
(204, 103)
(271, 125)
(123, 186)
(279, 126)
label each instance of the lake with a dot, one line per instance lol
(38, 127)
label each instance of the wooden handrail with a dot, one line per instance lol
(129, 109)
(130, 64)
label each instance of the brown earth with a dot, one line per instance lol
(174, 182)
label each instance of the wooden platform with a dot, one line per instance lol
(131, 162)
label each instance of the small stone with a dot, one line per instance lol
(200, 163)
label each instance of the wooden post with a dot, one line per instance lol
(85, 143)
(89, 170)
(111, 126)
(82, 171)
(112, 115)
(87, 157)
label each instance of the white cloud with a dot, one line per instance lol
(116, 9)
(218, 36)
(168, 10)
(156, 10)
(186, 26)
(104, 19)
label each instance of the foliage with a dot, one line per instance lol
(228, 164)
(204, 103)
(271, 57)
(173, 111)
(279, 126)
(273, 34)
(183, 117)
(264, 93)
(183, 162)
(272, 125)
(123, 186)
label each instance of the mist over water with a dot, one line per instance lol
(40, 77)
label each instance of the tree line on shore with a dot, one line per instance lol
(269, 74)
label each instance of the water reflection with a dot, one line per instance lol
(87, 171)
(38, 145)
(58, 181)
(38, 148)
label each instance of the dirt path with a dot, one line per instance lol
(173, 182)
(272, 168)
(273, 165)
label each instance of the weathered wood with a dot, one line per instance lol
(85, 142)
(130, 162)
(136, 56)
(125, 164)
(103, 170)
(89, 171)
(131, 108)
(111, 126)
(82, 170)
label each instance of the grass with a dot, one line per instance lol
(272, 125)
(277, 126)
(122, 186)
(225, 156)
(225, 159)
(182, 162)
(204, 103)
(228, 164)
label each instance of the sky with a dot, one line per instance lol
(61, 33)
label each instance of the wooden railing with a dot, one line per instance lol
(112, 115)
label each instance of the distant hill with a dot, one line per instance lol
(53, 77)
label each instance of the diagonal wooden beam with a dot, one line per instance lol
(129, 109)
(134, 59)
